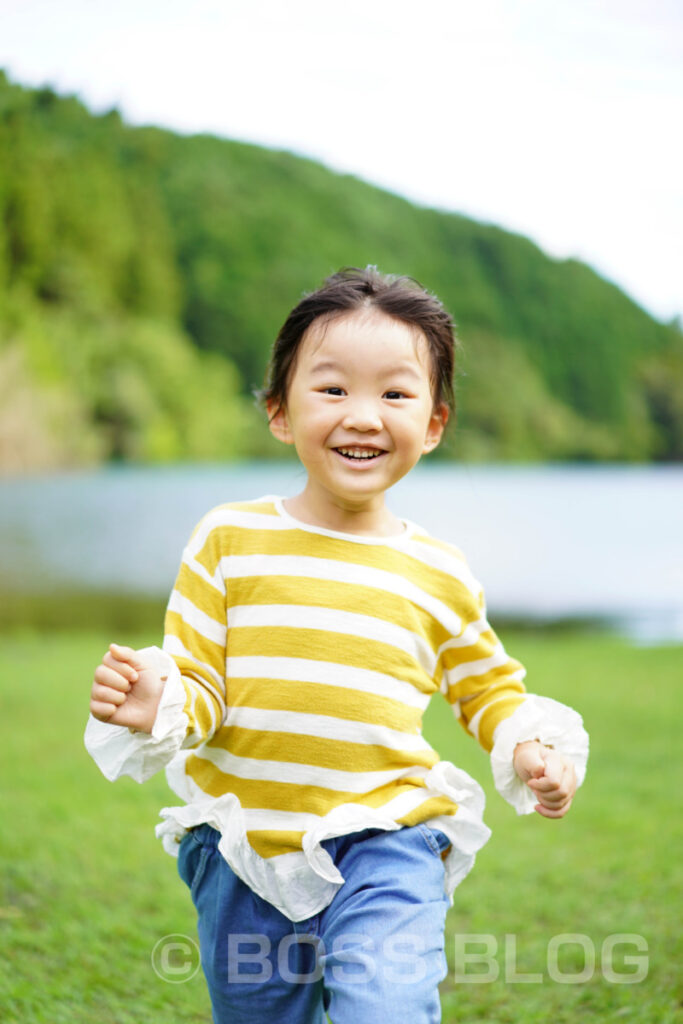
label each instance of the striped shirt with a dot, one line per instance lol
(308, 657)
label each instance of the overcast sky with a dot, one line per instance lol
(559, 119)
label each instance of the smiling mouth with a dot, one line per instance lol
(354, 454)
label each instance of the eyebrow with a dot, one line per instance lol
(331, 366)
(326, 366)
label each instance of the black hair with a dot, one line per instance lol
(350, 290)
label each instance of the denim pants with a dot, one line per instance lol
(374, 955)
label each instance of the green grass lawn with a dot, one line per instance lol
(88, 891)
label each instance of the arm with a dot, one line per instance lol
(148, 705)
(195, 630)
(538, 746)
(482, 683)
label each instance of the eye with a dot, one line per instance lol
(393, 395)
(336, 392)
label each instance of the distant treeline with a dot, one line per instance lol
(144, 275)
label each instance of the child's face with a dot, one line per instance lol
(359, 406)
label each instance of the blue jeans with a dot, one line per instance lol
(374, 955)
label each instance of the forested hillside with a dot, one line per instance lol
(143, 276)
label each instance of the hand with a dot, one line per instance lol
(125, 691)
(550, 775)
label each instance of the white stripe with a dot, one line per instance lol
(196, 736)
(254, 819)
(175, 647)
(325, 727)
(325, 673)
(303, 774)
(216, 580)
(397, 808)
(247, 520)
(304, 566)
(469, 636)
(223, 516)
(473, 724)
(197, 619)
(478, 667)
(331, 620)
(285, 820)
(446, 563)
(210, 707)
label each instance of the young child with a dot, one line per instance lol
(320, 834)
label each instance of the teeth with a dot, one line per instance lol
(360, 453)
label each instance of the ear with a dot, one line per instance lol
(435, 427)
(279, 423)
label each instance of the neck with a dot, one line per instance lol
(372, 519)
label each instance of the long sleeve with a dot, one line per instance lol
(195, 632)
(192, 662)
(479, 679)
(489, 699)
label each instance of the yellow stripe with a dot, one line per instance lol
(265, 795)
(205, 650)
(342, 755)
(189, 669)
(346, 597)
(499, 711)
(266, 508)
(199, 717)
(336, 701)
(432, 808)
(483, 647)
(255, 794)
(441, 545)
(480, 688)
(201, 594)
(235, 540)
(324, 645)
(269, 843)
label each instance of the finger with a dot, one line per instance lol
(555, 797)
(561, 777)
(123, 668)
(558, 798)
(113, 678)
(101, 710)
(530, 765)
(550, 794)
(127, 655)
(554, 805)
(557, 774)
(554, 766)
(107, 695)
(548, 812)
(543, 785)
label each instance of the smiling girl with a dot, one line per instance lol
(321, 836)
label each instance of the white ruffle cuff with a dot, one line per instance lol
(119, 751)
(551, 723)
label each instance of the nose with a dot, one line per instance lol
(362, 414)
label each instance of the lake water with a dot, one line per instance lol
(548, 542)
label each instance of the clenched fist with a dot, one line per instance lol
(125, 691)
